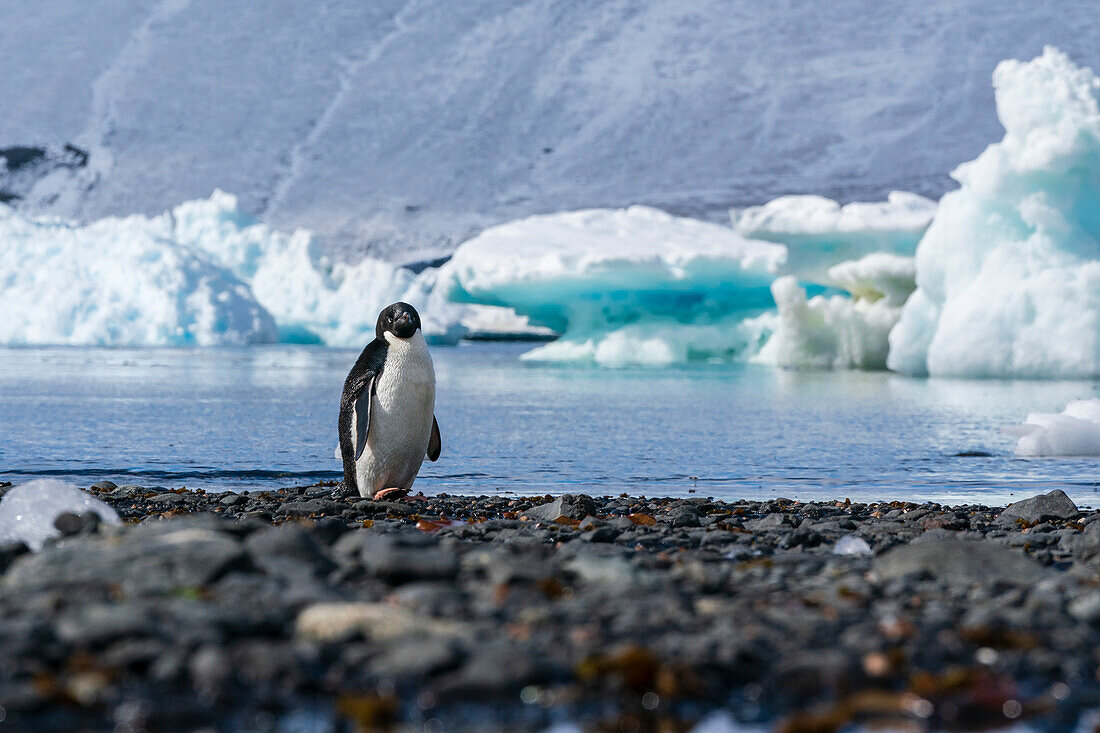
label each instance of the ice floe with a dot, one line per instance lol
(28, 511)
(1073, 432)
(1008, 273)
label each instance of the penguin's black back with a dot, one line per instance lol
(368, 366)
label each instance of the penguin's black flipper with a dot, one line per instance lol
(435, 444)
(362, 417)
(367, 369)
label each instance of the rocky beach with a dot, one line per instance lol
(288, 610)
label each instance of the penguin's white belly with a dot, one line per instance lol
(401, 416)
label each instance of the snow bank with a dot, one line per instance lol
(840, 332)
(820, 233)
(1073, 432)
(1009, 270)
(27, 512)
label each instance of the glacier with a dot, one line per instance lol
(28, 511)
(1073, 432)
(399, 129)
(1008, 273)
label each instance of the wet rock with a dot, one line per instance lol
(104, 486)
(1054, 505)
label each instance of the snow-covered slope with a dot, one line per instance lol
(404, 127)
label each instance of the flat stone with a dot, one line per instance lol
(310, 507)
(104, 485)
(566, 506)
(287, 550)
(1055, 505)
(401, 557)
(327, 622)
(958, 561)
(150, 559)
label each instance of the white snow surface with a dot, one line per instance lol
(1008, 273)
(28, 511)
(1073, 432)
(401, 127)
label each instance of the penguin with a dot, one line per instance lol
(387, 410)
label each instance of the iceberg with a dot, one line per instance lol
(819, 233)
(1008, 273)
(28, 511)
(118, 282)
(1073, 432)
(203, 274)
(634, 285)
(836, 331)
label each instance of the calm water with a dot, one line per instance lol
(265, 417)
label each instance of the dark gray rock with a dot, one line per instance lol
(104, 485)
(958, 561)
(416, 658)
(1055, 505)
(287, 550)
(99, 623)
(310, 507)
(158, 559)
(407, 556)
(567, 506)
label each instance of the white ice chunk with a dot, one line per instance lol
(820, 233)
(1073, 432)
(838, 332)
(28, 511)
(1009, 270)
(852, 545)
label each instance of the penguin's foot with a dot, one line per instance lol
(398, 493)
(392, 493)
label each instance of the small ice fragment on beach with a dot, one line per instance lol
(27, 512)
(1073, 432)
(852, 545)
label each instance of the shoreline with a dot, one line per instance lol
(515, 613)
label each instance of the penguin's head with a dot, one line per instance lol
(400, 319)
